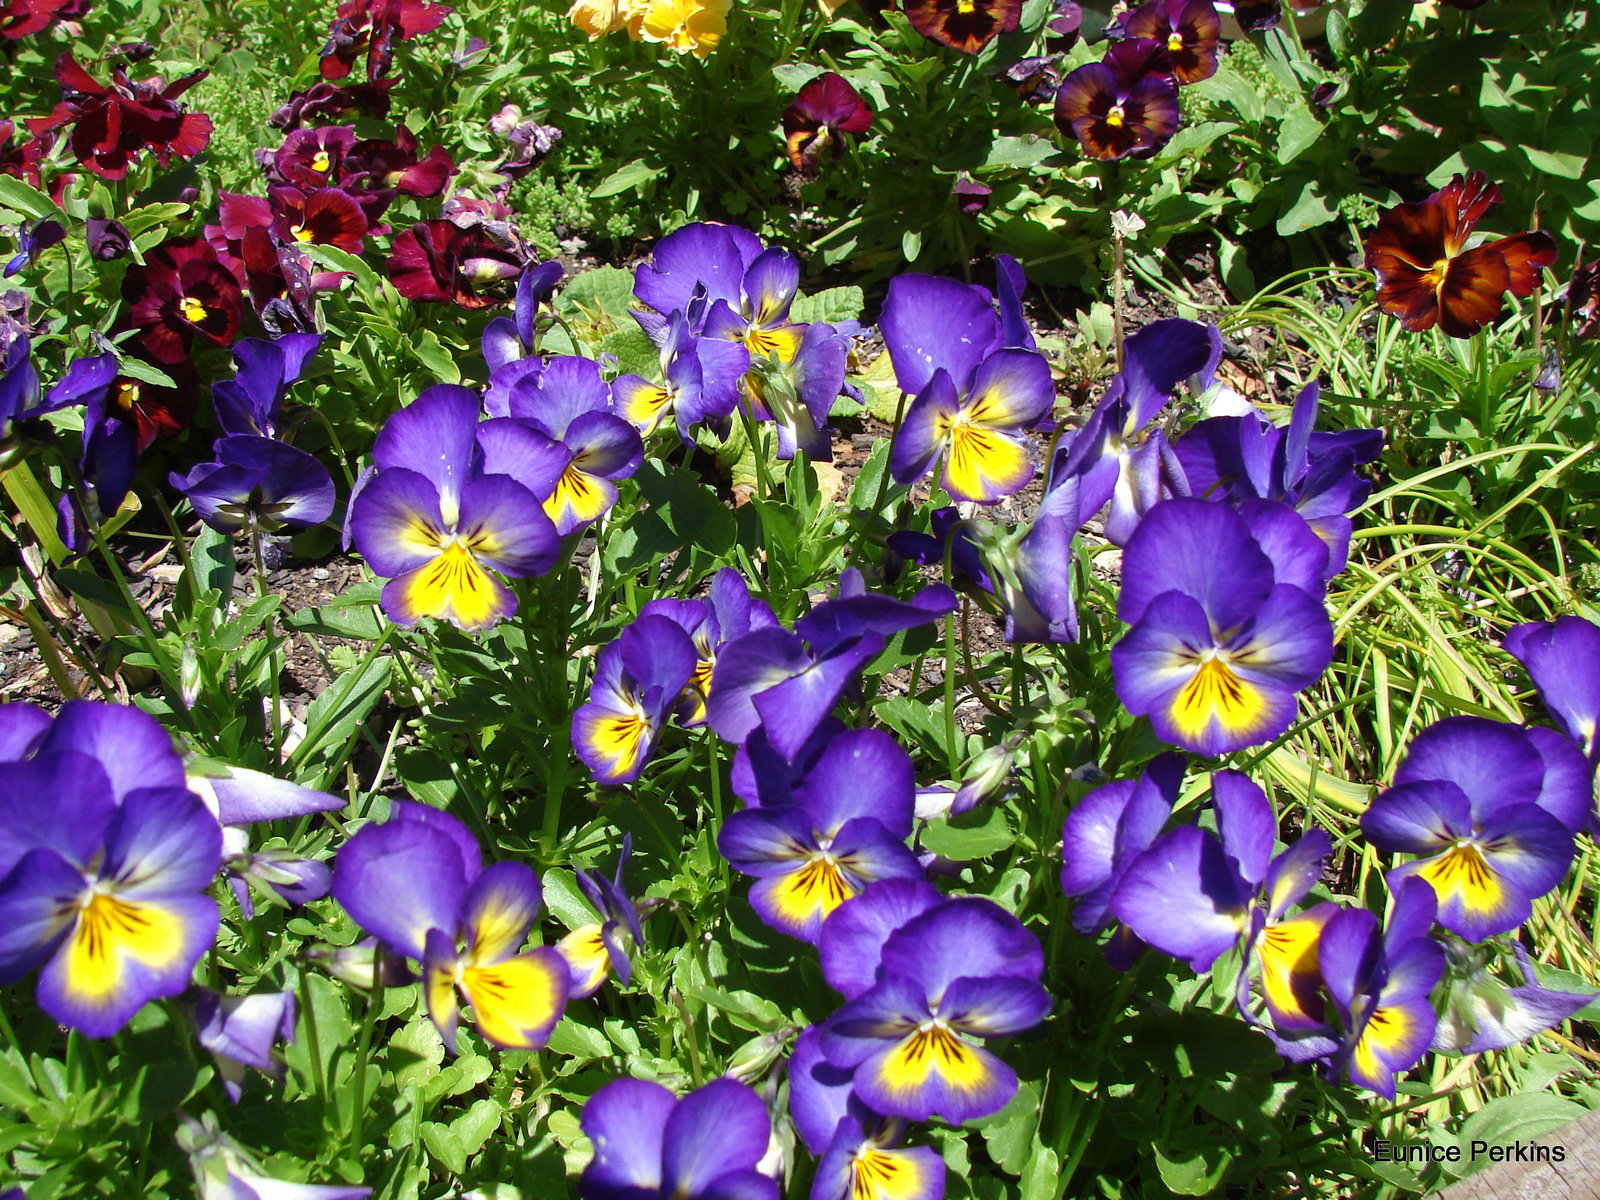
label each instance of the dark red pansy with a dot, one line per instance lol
(825, 108)
(312, 158)
(323, 100)
(396, 165)
(964, 25)
(157, 411)
(1035, 80)
(325, 217)
(1427, 277)
(19, 18)
(441, 261)
(1190, 30)
(1125, 105)
(1257, 16)
(20, 160)
(373, 26)
(972, 196)
(179, 291)
(111, 123)
(1583, 298)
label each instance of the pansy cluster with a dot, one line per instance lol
(1485, 814)
(682, 26)
(718, 310)
(1126, 105)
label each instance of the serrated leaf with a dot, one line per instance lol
(473, 1127)
(432, 354)
(1297, 134)
(831, 305)
(444, 1146)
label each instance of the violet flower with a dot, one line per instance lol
(1563, 659)
(638, 679)
(243, 1031)
(1119, 455)
(1223, 636)
(1124, 106)
(857, 1149)
(1481, 1011)
(700, 381)
(451, 501)
(1490, 810)
(1380, 982)
(419, 884)
(978, 386)
(814, 844)
(259, 484)
(962, 971)
(826, 108)
(596, 950)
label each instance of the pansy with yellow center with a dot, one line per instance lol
(1226, 628)
(600, 949)
(449, 504)
(858, 1151)
(1124, 106)
(418, 883)
(638, 679)
(979, 386)
(1380, 983)
(686, 26)
(815, 843)
(107, 896)
(1490, 810)
(961, 972)
(1190, 30)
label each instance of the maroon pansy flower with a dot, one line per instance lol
(1035, 80)
(323, 100)
(373, 26)
(825, 108)
(311, 158)
(972, 196)
(1190, 29)
(441, 261)
(19, 18)
(964, 25)
(181, 291)
(530, 142)
(1427, 276)
(113, 122)
(1125, 105)
(325, 217)
(397, 166)
(20, 160)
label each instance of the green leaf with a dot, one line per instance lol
(626, 178)
(579, 1041)
(432, 354)
(343, 705)
(1561, 165)
(1011, 1133)
(1192, 1170)
(911, 244)
(833, 305)
(973, 835)
(444, 1145)
(636, 353)
(1308, 211)
(137, 368)
(1026, 151)
(415, 1053)
(152, 216)
(600, 292)
(353, 615)
(473, 1127)
(211, 560)
(30, 202)
(1297, 134)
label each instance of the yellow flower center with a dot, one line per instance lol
(966, 7)
(301, 233)
(1174, 42)
(127, 395)
(320, 161)
(1114, 118)
(191, 309)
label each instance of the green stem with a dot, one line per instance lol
(364, 1049)
(274, 647)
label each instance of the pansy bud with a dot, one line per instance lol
(107, 239)
(753, 1059)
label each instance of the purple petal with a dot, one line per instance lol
(714, 1131)
(505, 527)
(627, 1122)
(819, 1092)
(498, 911)
(131, 746)
(1299, 557)
(1418, 818)
(924, 431)
(432, 436)
(1184, 897)
(401, 879)
(749, 665)
(1158, 358)
(22, 727)
(1295, 872)
(794, 707)
(861, 773)
(245, 797)
(996, 1006)
(1493, 764)
(514, 448)
(930, 323)
(1563, 658)
(967, 937)
(72, 824)
(1567, 792)
(1203, 550)
(1244, 822)
(853, 935)
(39, 903)
(395, 522)
(797, 901)
(162, 840)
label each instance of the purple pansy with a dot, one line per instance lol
(978, 385)
(1379, 983)
(1222, 638)
(638, 679)
(260, 484)
(963, 971)
(243, 1031)
(596, 950)
(1490, 811)
(452, 500)
(1563, 659)
(419, 884)
(252, 401)
(815, 843)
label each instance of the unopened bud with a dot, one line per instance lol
(755, 1058)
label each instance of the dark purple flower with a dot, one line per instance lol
(965, 25)
(34, 241)
(179, 292)
(252, 402)
(1125, 105)
(443, 262)
(107, 239)
(514, 338)
(1190, 30)
(260, 484)
(972, 196)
